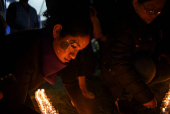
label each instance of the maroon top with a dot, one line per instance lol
(51, 63)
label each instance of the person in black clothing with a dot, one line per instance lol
(136, 41)
(32, 56)
(21, 16)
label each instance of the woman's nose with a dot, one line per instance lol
(73, 54)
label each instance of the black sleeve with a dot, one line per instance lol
(11, 16)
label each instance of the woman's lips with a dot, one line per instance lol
(67, 60)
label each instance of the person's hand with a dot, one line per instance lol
(166, 56)
(151, 104)
(1, 95)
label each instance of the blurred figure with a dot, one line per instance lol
(99, 33)
(21, 16)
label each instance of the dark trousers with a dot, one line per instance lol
(150, 72)
(153, 73)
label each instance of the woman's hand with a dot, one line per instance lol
(151, 104)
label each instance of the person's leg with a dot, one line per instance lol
(85, 91)
(162, 72)
(146, 68)
(74, 92)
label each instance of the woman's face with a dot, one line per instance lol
(67, 48)
(149, 10)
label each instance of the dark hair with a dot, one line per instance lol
(142, 1)
(72, 15)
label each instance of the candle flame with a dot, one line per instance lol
(44, 104)
(166, 104)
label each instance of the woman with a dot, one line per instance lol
(34, 56)
(137, 40)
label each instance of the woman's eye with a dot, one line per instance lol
(73, 46)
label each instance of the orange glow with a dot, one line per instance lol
(44, 103)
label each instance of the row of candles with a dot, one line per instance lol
(44, 103)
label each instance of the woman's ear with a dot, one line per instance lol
(56, 30)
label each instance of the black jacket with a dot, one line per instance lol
(129, 39)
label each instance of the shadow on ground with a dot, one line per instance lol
(104, 101)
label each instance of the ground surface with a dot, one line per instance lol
(104, 101)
